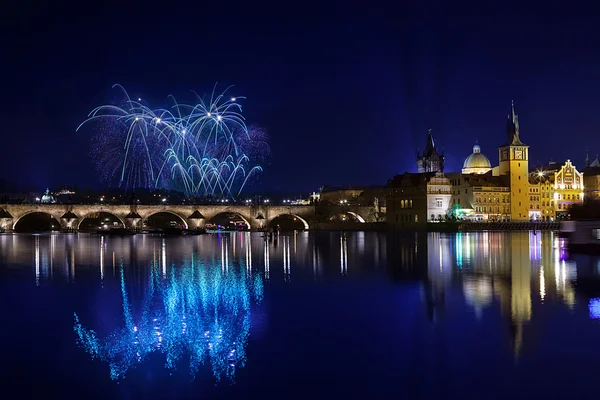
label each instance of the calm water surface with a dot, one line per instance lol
(325, 315)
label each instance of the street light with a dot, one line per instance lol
(164, 199)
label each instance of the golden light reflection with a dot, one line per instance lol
(542, 284)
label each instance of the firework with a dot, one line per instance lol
(203, 148)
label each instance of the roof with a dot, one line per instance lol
(512, 128)
(591, 171)
(476, 159)
(485, 180)
(410, 179)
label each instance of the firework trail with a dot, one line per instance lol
(203, 148)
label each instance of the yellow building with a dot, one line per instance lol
(568, 189)
(480, 197)
(514, 156)
(553, 190)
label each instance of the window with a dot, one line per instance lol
(438, 203)
(416, 218)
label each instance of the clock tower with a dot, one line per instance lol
(514, 163)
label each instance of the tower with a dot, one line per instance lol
(514, 163)
(430, 160)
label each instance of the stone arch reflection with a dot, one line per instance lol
(197, 312)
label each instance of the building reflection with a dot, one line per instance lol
(506, 267)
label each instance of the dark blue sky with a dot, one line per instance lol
(346, 99)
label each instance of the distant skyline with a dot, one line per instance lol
(345, 100)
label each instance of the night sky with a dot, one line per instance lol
(346, 99)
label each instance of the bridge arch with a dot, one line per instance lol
(29, 213)
(230, 212)
(357, 217)
(286, 215)
(180, 217)
(88, 215)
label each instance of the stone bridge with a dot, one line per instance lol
(70, 216)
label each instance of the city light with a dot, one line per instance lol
(164, 199)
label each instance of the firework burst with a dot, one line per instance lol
(203, 148)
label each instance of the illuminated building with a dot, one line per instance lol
(514, 164)
(418, 198)
(430, 160)
(480, 197)
(476, 163)
(554, 189)
(481, 192)
(568, 188)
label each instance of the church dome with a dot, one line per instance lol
(476, 163)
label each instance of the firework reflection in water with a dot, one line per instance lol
(196, 312)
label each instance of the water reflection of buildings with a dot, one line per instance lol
(505, 266)
(62, 256)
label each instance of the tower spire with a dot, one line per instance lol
(512, 126)
(587, 157)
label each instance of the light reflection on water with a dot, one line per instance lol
(193, 300)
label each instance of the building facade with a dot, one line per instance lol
(554, 189)
(591, 179)
(415, 199)
(480, 197)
